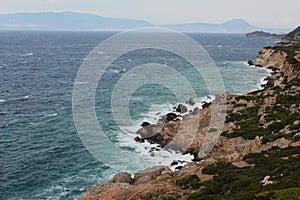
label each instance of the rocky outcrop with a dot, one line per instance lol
(151, 173)
(122, 177)
(145, 185)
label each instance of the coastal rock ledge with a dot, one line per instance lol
(257, 155)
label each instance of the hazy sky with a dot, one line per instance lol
(263, 13)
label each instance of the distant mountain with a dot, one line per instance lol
(91, 22)
(66, 21)
(231, 26)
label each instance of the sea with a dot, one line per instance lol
(42, 155)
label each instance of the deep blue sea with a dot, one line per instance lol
(41, 154)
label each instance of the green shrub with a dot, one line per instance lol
(191, 182)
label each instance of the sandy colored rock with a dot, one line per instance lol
(148, 174)
(122, 177)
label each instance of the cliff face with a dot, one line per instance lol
(257, 155)
(277, 59)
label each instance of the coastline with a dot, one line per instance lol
(196, 107)
(235, 143)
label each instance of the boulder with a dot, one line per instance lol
(250, 62)
(122, 177)
(195, 111)
(192, 101)
(181, 108)
(143, 132)
(171, 116)
(139, 140)
(148, 174)
(205, 104)
(145, 124)
(147, 131)
(174, 163)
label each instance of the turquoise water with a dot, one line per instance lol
(41, 154)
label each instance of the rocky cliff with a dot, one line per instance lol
(257, 155)
(291, 39)
(283, 61)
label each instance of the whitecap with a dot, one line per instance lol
(27, 54)
(114, 71)
(81, 82)
(123, 70)
(2, 66)
(2, 100)
(25, 97)
(52, 115)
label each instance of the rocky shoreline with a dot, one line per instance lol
(260, 127)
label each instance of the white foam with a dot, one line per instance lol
(262, 81)
(52, 115)
(123, 70)
(114, 71)
(244, 63)
(156, 111)
(27, 54)
(2, 100)
(81, 83)
(152, 153)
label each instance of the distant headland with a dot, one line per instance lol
(265, 34)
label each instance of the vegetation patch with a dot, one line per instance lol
(291, 53)
(191, 182)
(230, 182)
(277, 117)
